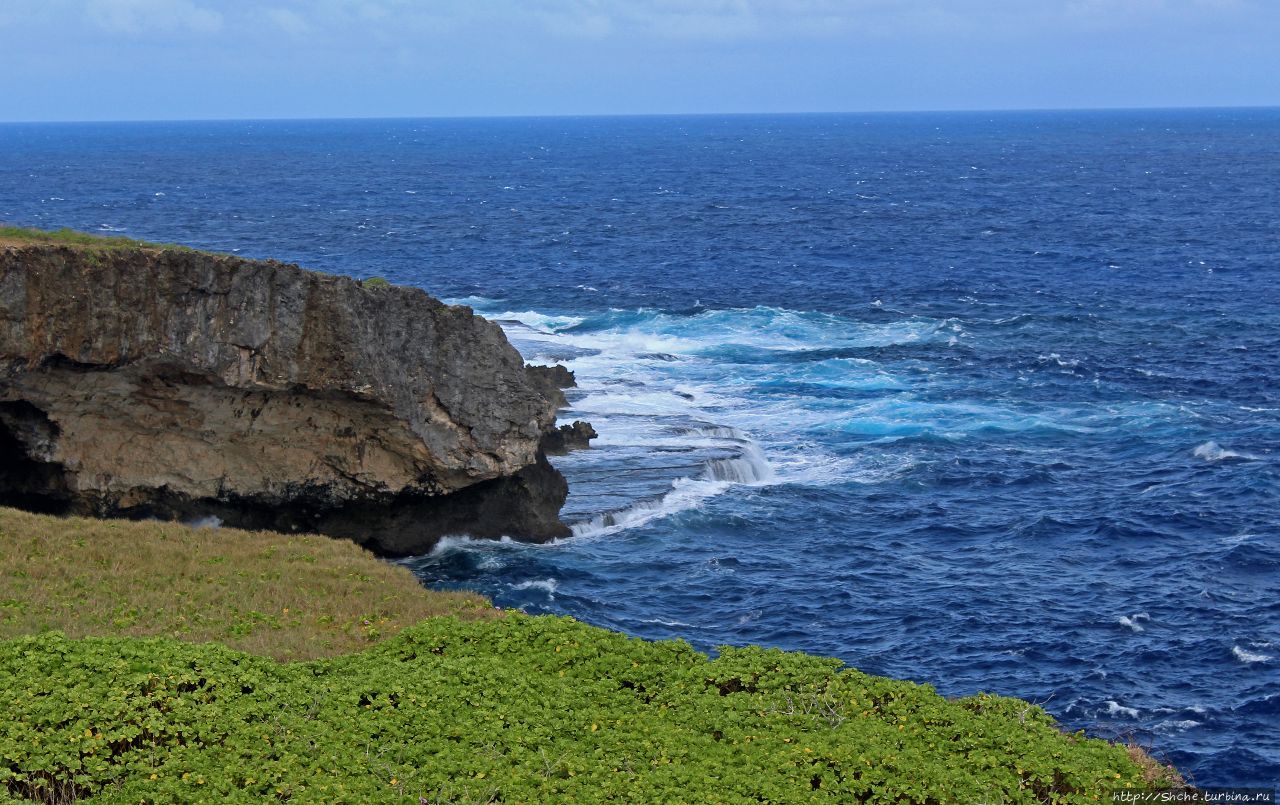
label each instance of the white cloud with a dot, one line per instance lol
(141, 16)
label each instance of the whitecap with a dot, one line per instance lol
(1212, 451)
(548, 586)
(1053, 357)
(450, 544)
(477, 302)
(1177, 725)
(539, 321)
(1249, 657)
(209, 521)
(749, 467)
(1115, 709)
(685, 494)
(1134, 622)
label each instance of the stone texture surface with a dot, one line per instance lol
(561, 440)
(178, 384)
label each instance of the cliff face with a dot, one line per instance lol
(138, 382)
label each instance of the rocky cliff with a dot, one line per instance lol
(143, 382)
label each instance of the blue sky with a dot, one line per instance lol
(179, 59)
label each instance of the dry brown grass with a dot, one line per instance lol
(285, 596)
(1155, 773)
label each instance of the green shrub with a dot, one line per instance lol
(517, 709)
(376, 283)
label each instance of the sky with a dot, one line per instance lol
(64, 60)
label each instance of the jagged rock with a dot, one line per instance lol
(550, 380)
(176, 384)
(578, 436)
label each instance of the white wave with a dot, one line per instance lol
(685, 494)
(208, 521)
(548, 586)
(543, 322)
(750, 467)
(1249, 657)
(1116, 709)
(1212, 451)
(1134, 622)
(717, 432)
(1179, 725)
(1053, 357)
(477, 302)
(450, 544)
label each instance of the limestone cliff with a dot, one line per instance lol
(145, 382)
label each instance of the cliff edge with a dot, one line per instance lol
(148, 382)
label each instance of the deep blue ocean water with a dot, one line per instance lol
(989, 401)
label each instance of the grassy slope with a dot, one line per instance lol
(287, 597)
(513, 707)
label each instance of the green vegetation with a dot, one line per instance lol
(376, 283)
(479, 706)
(288, 597)
(18, 235)
(517, 709)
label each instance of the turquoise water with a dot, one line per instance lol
(985, 401)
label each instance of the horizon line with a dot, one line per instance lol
(617, 115)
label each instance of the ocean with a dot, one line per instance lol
(989, 400)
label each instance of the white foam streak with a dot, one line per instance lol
(1249, 657)
(1212, 451)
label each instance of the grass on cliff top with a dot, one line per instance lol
(287, 597)
(22, 236)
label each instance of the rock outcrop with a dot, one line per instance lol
(561, 440)
(178, 384)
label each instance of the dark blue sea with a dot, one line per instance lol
(988, 401)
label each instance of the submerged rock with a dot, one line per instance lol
(177, 384)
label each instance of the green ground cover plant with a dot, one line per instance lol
(515, 709)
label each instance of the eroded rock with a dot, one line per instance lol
(181, 384)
